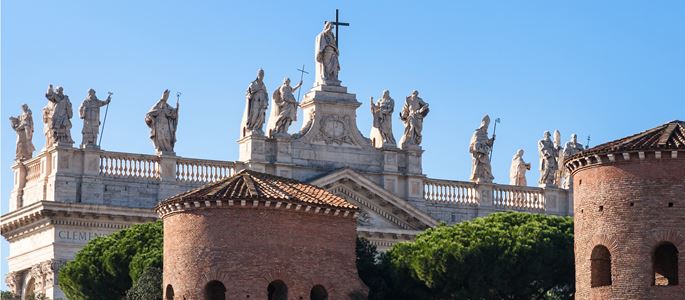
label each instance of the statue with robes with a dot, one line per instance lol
(23, 126)
(517, 172)
(549, 154)
(47, 124)
(163, 120)
(283, 109)
(256, 103)
(412, 114)
(571, 148)
(89, 111)
(480, 148)
(60, 113)
(381, 111)
(326, 56)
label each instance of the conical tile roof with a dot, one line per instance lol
(667, 137)
(252, 185)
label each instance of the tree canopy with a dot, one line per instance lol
(108, 266)
(502, 256)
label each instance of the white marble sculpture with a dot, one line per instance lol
(480, 148)
(23, 126)
(571, 148)
(163, 120)
(283, 109)
(256, 103)
(59, 115)
(381, 111)
(326, 57)
(412, 115)
(517, 172)
(89, 111)
(548, 160)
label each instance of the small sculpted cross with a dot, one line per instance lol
(337, 23)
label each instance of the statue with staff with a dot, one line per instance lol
(283, 109)
(480, 148)
(89, 111)
(163, 120)
(381, 132)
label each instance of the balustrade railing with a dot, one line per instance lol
(447, 191)
(195, 170)
(518, 197)
(32, 170)
(129, 165)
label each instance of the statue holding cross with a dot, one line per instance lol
(326, 53)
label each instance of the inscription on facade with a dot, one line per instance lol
(74, 235)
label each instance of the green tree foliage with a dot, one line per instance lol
(7, 295)
(148, 286)
(501, 256)
(108, 266)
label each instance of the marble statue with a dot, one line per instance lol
(517, 172)
(548, 160)
(256, 103)
(23, 125)
(412, 115)
(89, 111)
(381, 111)
(326, 56)
(163, 120)
(283, 109)
(571, 148)
(480, 148)
(59, 116)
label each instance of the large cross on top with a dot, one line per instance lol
(337, 23)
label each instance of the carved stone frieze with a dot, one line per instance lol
(334, 129)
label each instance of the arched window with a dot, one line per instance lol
(665, 264)
(277, 290)
(318, 293)
(169, 292)
(600, 266)
(215, 290)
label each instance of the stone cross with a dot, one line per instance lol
(337, 23)
(302, 72)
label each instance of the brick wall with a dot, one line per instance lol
(629, 207)
(246, 248)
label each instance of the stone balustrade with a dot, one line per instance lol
(204, 171)
(451, 191)
(491, 196)
(120, 164)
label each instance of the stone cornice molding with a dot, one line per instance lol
(580, 162)
(361, 180)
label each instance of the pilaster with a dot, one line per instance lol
(17, 194)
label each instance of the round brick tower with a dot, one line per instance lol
(258, 236)
(629, 205)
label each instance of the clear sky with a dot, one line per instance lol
(600, 68)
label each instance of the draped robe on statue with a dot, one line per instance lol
(480, 148)
(283, 109)
(326, 54)
(255, 107)
(162, 120)
(90, 113)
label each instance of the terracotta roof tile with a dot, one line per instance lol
(254, 185)
(667, 137)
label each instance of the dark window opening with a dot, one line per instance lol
(215, 290)
(277, 290)
(665, 262)
(318, 293)
(169, 292)
(600, 266)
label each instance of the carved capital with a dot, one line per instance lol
(13, 280)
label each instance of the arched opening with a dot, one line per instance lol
(169, 292)
(318, 293)
(30, 290)
(215, 290)
(277, 290)
(600, 266)
(665, 264)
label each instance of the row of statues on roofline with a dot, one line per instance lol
(284, 113)
(551, 153)
(162, 120)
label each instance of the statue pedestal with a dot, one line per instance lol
(413, 156)
(253, 152)
(17, 194)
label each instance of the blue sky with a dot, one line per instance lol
(600, 68)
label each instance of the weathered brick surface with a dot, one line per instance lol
(248, 247)
(634, 218)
